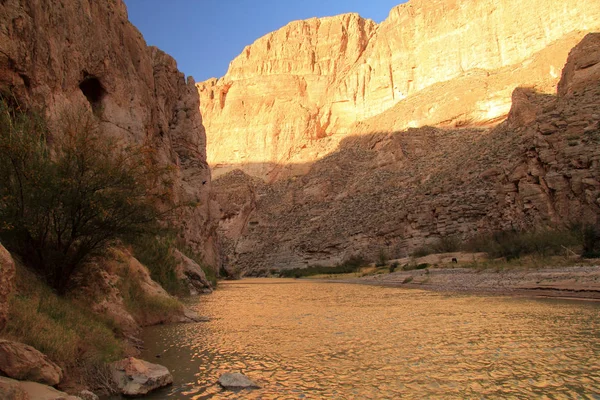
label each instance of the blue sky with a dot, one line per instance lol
(205, 35)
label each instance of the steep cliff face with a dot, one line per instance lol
(396, 191)
(294, 94)
(60, 55)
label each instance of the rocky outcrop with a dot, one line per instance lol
(86, 55)
(7, 274)
(23, 362)
(137, 377)
(11, 389)
(394, 192)
(583, 67)
(189, 271)
(108, 283)
(291, 96)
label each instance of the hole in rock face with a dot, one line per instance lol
(93, 91)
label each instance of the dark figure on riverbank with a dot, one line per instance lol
(454, 261)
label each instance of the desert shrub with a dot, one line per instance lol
(412, 267)
(422, 251)
(352, 264)
(589, 237)
(513, 244)
(62, 205)
(142, 306)
(156, 253)
(381, 259)
(445, 244)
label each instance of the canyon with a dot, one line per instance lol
(336, 137)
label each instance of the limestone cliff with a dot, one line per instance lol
(58, 55)
(395, 191)
(293, 95)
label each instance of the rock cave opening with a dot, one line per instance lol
(93, 91)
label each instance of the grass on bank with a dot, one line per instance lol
(59, 327)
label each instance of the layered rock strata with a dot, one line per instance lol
(85, 54)
(396, 191)
(291, 96)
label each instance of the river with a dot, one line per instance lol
(302, 339)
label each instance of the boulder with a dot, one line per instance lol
(11, 389)
(23, 362)
(7, 274)
(235, 380)
(189, 271)
(87, 395)
(136, 377)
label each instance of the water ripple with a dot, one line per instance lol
(311, 340)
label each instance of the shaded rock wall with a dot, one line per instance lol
(397, 191)
(290, 97)
(60, 55)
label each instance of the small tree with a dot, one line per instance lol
(60, 205)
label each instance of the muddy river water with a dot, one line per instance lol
(314, 340)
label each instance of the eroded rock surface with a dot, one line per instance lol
(190, 272)
(396, 191)
(23, 362)
(136, 377)
(291, 96)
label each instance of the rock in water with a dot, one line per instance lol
(136, 377)
(235, 380)
(23, 362)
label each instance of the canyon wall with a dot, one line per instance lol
(65, 55)
(396, 191)
(294, 94)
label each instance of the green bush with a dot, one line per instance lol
(62, 205)
(156, 253)
(381, 259)
(513, 244)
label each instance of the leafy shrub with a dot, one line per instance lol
(412, 267)
(63, 205)
(156, 253)
(381, 259)
(513, 244)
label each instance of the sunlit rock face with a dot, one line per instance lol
(67, 55)
(291, 96)
(396, 191)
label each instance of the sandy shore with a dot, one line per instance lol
(578, 282)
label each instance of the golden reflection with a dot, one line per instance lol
(312, 340)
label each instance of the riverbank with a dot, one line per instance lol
(572, 281)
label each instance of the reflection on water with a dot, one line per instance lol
(310, 340)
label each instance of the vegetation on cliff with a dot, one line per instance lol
(63, 204)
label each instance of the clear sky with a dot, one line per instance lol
(205, 35)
